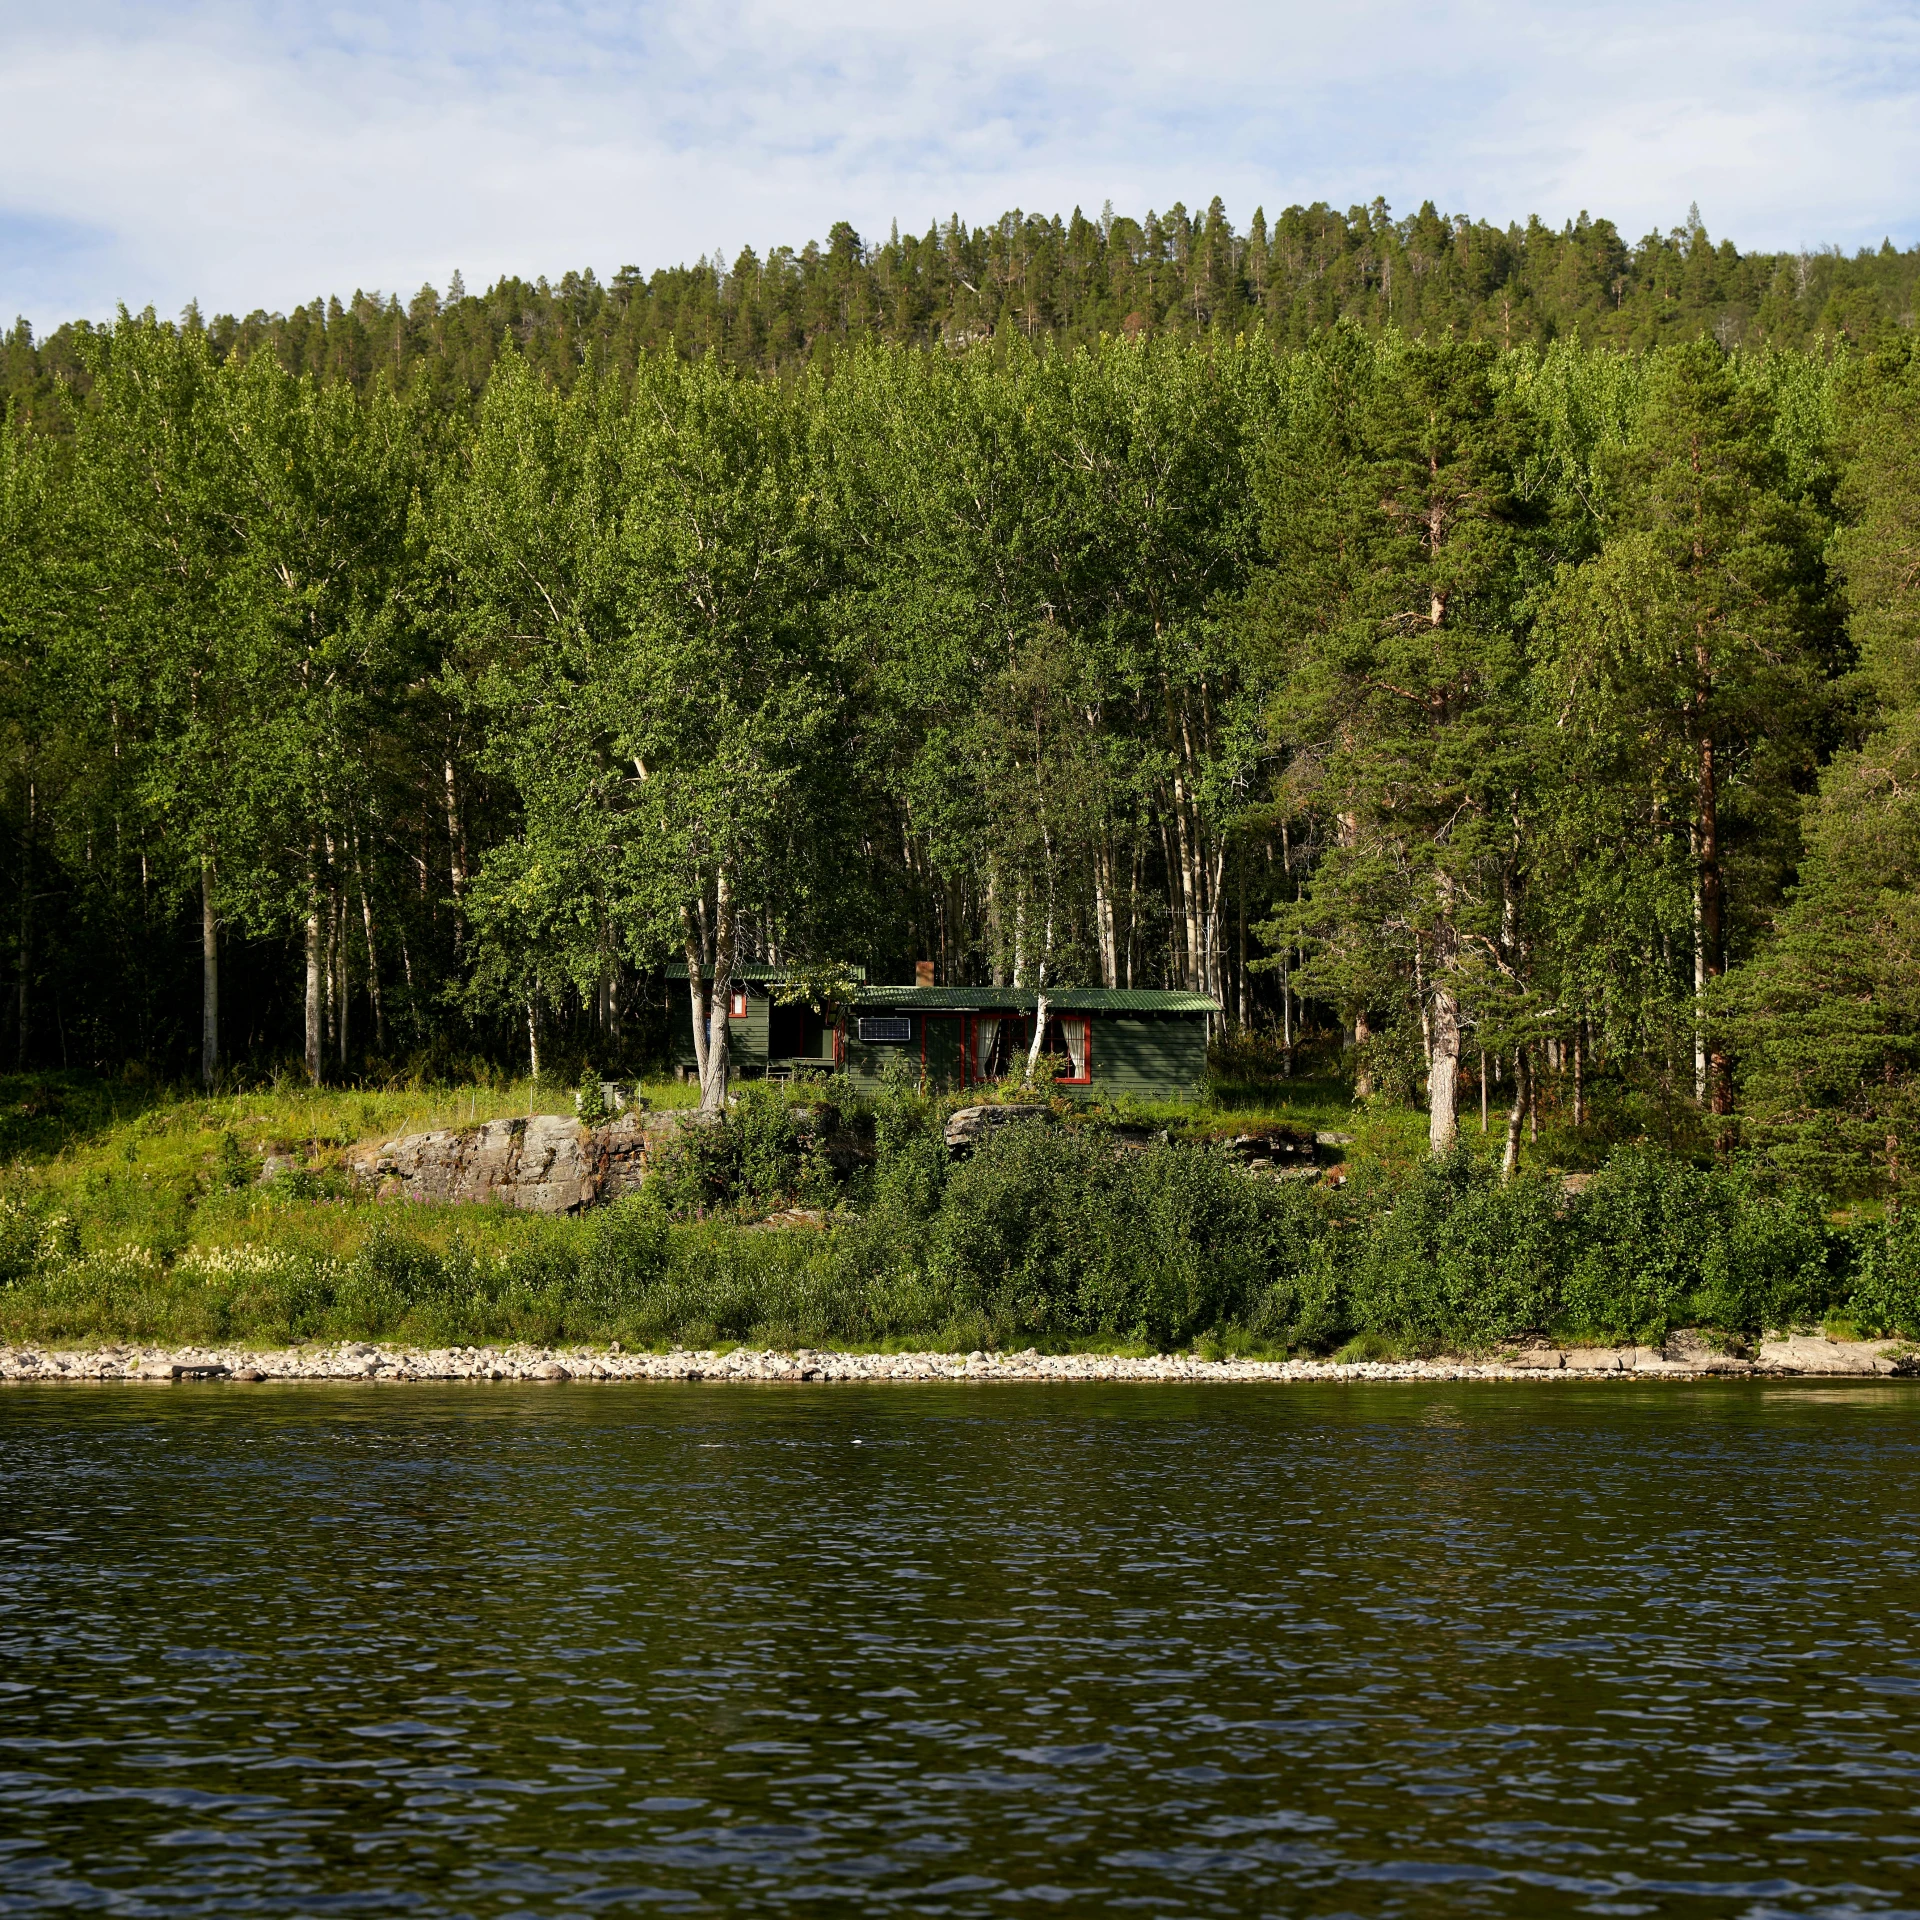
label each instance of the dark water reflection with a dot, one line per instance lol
(1311, 1650)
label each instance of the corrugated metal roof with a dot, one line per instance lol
(752, 971)
(991, 999)
(1022, 999)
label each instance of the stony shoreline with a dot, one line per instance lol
(1685, 1357)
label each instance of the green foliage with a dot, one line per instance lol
(1049, 1232)
(1886, 1293)
(1454, 1257)
(1464, 678)
(763, 1152)
(1663, 1244)
(1058, 1232)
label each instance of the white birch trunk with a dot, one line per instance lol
(1443, 1074)
(313, 1008)
(714, 1068)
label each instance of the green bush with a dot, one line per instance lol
(1048, 1231)
(1886, 1290)
(1451, 1256)
(1660, 1243)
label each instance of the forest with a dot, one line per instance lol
(1483, 661)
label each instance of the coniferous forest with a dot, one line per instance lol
(1485, 659)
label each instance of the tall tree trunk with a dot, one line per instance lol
(699, 988)
(26, 928)
(533, 1036)
(1192, 887)
(1713, 960)
(1214, 973)
(1046, 958)
(1522, 1081)
(209, 978)
(1136, 871)
(1103, 912)
(1443, 1077)
(1363, 1075)
(456, 855)
(718, 1061)
(313, 974)
(1041, 1009)
(1443, 1031)
(373, 950)
(340, 947)
(1240, 956)
(1286, 953)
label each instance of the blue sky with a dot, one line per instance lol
(248, 153)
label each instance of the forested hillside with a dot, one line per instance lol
(1499, 721)
(1070, 281)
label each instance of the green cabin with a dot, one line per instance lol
(1114, 1040)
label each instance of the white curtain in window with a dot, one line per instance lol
(986, 1029)
(1075, 1034)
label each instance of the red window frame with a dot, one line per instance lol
(969, 1052)
(1085, 1076)
(737, 1003)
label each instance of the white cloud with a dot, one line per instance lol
(253, 155)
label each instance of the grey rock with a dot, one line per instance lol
(551, 1370)
(547, 1163)
(968, 1126)
(1812, 1353)
(190, 1370)
(1690, 1348)
(1541, 1359)
(1599, 1359)
(250, 1374)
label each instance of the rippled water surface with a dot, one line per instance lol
(1304, 1650)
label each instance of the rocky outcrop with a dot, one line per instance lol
(1692, 1352)
(1279, 1152)
(545, 1164)
(967, 1127)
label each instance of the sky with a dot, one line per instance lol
(250, 153)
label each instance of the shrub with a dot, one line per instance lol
(1452, 1256)
(624, 1257)
(1048, 1231)
(1886, 1288)
(1663, 1244)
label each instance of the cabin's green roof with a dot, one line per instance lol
(989, 999)
(1022, 999)
(752, 971)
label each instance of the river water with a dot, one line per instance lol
(1314, 1649)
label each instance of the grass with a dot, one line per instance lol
(134, 1212)
(149, 1219)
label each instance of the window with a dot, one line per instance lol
(737, 1004)
(887, 1029)
(994, 1043)
(1071, 1036)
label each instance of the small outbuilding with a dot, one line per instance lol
(1152, 1044)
